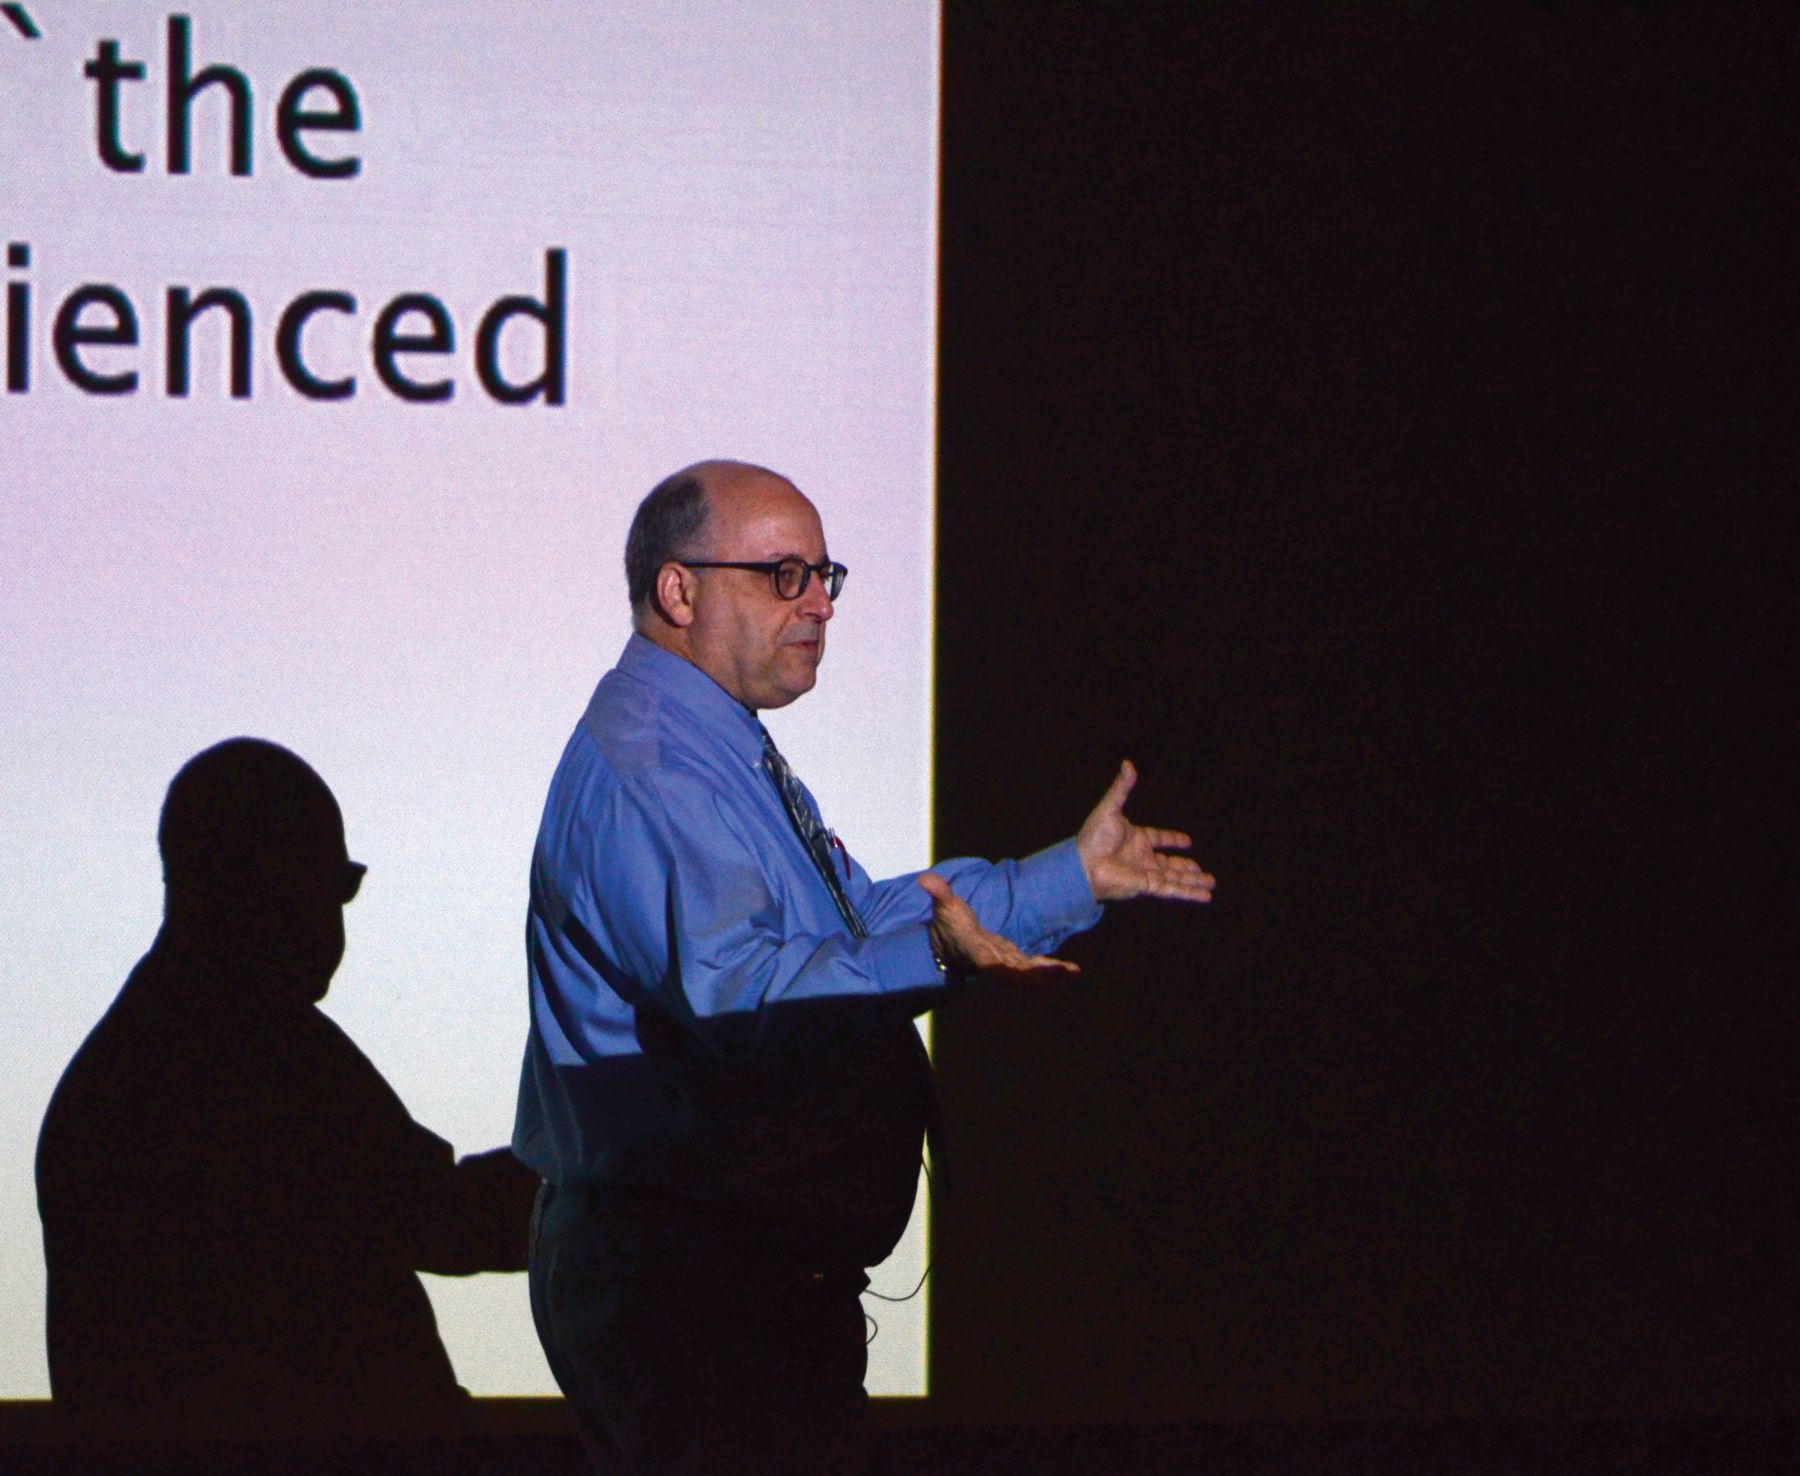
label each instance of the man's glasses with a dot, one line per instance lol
(789, 576)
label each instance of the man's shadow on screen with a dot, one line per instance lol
(234, 1202)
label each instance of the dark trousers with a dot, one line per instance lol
(684, 1349)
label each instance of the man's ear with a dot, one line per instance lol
(673, 595)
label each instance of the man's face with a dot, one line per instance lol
(762, 649)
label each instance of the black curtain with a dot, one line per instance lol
(1377, 423)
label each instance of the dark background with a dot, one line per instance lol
(1376, 422)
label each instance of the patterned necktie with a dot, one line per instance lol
(811, 832)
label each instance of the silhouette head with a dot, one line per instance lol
(255, 868)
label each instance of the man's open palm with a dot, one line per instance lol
(1125, 860)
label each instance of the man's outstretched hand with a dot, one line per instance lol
(969, 948)
(1124, 860)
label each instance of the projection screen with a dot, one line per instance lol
(500, 268)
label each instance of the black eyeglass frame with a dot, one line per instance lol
(833, 574)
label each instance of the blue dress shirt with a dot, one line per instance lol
(702, 1020)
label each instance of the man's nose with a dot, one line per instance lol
(815, 604)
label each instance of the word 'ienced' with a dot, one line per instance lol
(316, 100)
(96, 325)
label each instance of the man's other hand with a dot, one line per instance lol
(969, 948)
(1124, 860)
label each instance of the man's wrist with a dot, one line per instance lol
(950, 974)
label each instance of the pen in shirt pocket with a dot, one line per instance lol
(842, 850)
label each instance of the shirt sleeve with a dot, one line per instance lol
(1037, 903)
(671, 893)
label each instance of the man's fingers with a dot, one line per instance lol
(1033, 968)
(1156, 875)
(949, 909)
(1167, 840)
(1185, 891)
(1001, 957)
(1183, 879)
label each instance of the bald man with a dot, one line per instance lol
(723, 1089)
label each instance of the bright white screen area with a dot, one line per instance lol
(418, 597)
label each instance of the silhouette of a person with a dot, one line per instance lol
(234, 1201)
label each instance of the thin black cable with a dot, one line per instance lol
(880, 1297)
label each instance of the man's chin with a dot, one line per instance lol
(797, 679)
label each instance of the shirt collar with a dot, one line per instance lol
(711, 707)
